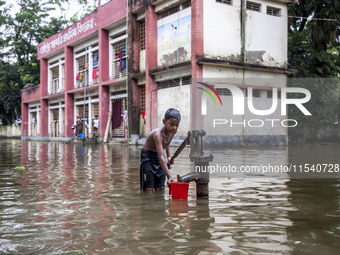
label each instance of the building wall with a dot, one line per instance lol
(178, 98)
(30, 94)
(265, 36)
(174, 38)
(222, 30)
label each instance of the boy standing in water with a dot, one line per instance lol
(154, 165)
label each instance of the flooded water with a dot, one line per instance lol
(74, 199)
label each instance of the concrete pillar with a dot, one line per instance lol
(44, 77)
(197, 50)
(24, 119)
(44, 118)
(69, 114)
(134, 110)
(69, 97)
(151, 86)
(104, 109)
(103, 91)
(104, 55)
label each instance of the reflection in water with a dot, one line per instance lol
(75, 199)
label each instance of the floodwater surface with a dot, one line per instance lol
(85, 199)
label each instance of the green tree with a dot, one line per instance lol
(313, 39)
(314, 50)
(20, 33)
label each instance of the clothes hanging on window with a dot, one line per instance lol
(95, 59)
(116, 114)
(120, 61)
(123, 64)
(94, 74)
(78, 77)
(81, 77)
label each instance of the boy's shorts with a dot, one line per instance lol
(151, 172)
(95, 129)
(150, 179)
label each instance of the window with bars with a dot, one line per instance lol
(142, 98)
(120, 132)
(253, 6)
(186, 80)
(186, 4)
(54, 124)
(175, 82)
(174, 9)
(95, 109)
(256, 93)
(269, 94)
(80, 111)
(119, 59)
(142, 35)
(169, 83)
(82, 76)
(95, 68)
(55, 114)
(224, 1)
(54, 86)
(223, 91)
(273, 11)
(62, 87)
(169, 11)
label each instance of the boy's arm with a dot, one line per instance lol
(167, 150)
(160, 151)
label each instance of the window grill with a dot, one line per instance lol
(186, 80)
(80, 110)
(54, 86)
(224, 1)
(120, 132)
(187, 4)
(119, 59)
(253, 6)
(82, 77)
(62, 88)
(82, 99)
(273, 11)
(142, 35)
(95, 109)
(169, 11)
(142, 98)
(55, 114)
(54, 124)
(95, 68)
(223, 91)
(256, 93)
(269, 94)
(169, 83)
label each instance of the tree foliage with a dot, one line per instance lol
(21, 29)
(314, 50)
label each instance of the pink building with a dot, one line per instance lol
(142, 56)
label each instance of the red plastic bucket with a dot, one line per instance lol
(179, 190)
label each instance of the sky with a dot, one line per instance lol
(71, 9)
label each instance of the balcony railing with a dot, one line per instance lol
(55, 88)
